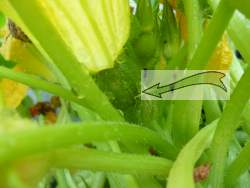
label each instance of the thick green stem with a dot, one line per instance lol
(94, 160)
(186, 114)
(212, 110)
(194, 23)
(187, 120)
(226, 127)
(212, 36)
(22, 143)
(238, 166)
(238, 24)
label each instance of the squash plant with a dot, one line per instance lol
(71, 112)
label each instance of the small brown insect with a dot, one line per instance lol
(89, 145)
(50, 117)
(16, 32)
(48, 109)
(55, 102)
(201, 172)
(152, 151)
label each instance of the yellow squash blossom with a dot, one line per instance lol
(12, 92)
(222, 56)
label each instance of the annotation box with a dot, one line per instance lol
(185, 85)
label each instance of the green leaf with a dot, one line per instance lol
(181, 174)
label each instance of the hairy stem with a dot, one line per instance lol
(22, 143)
(226, 127)
(212, 35)
(90, 159)
(193, 14)
(186, 114)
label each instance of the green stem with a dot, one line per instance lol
(186, 114)
(22, 143)
(37, 83)
(193, 14)
(238, 24)
(212, 110)
(95, 160)
(238, 166)
(212, 35)
(226, 127)
(186, 120)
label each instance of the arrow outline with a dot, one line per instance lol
(223, 87)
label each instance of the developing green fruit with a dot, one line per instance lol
(145, 45)
(145, 16)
